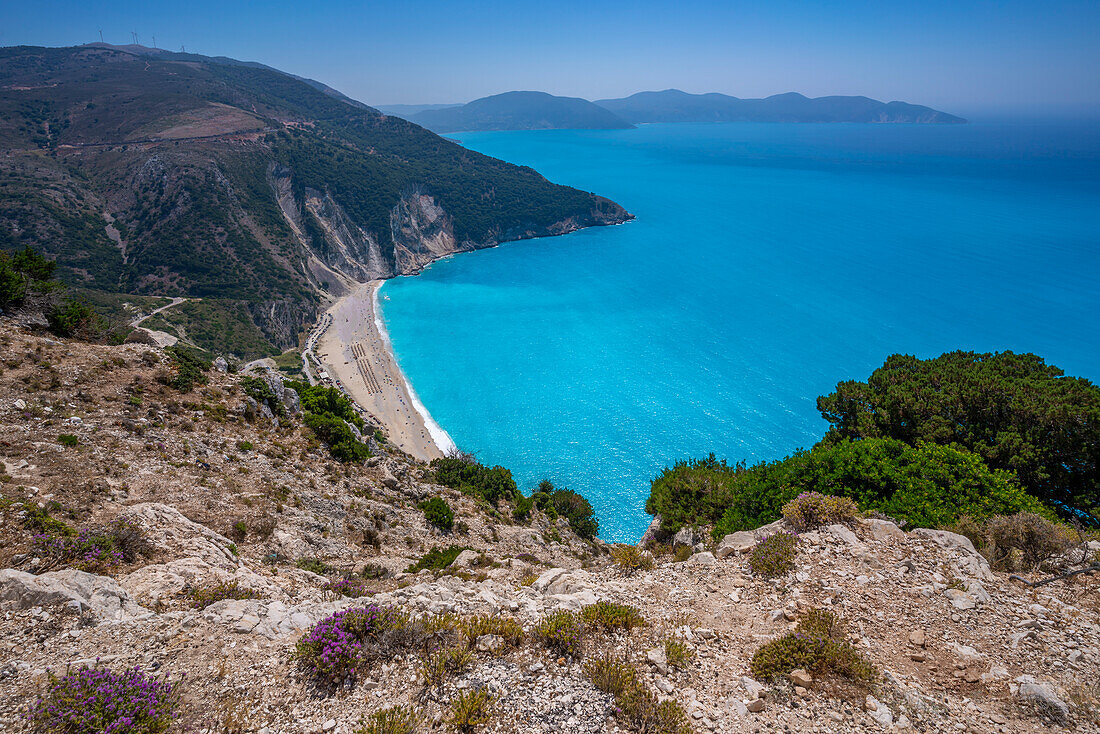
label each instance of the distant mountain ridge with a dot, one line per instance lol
(673, 105)
(521, 111)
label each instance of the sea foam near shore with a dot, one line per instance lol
(439, 436)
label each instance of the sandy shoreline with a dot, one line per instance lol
(355, 349)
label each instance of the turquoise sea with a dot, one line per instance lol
(766, 263)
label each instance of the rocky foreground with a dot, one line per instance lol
(227, 494)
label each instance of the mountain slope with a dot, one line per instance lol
(521, 111)
(672, 105)
(177, 174)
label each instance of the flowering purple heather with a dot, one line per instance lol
(100, 701)
(335, 648)
(348, 587)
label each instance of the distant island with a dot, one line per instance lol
(672, 105)
(542, 111)
(520, 111)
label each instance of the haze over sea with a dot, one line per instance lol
(767, 263)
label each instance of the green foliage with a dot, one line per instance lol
(392, 720)
(1016, 412)
(437, 559)
(217, 325)
(438, 666)
(204, 596)
(75, 318)
(38, 520)
(677, 653)
(491, 624)
(438, 513)
(608, 616)
(811, 510)
(188, 366)
(562, 632)
(68, 439)
(817, 645)
(568, 504)
(21, 272)
(774, 555)
(469, 477)
(342, 443)
(1024, 541)
(693, 493)
(521, 508)
(258, 389)
(630, 558)
(636, 705)
(315, 565)
(470, 710)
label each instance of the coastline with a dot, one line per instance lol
(357, 352)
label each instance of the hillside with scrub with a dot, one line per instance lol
(185, 548)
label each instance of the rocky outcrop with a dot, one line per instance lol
(100, 596)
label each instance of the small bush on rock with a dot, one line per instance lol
(607, 615)
(338, 647)
(96, 550)
(95, 700)
(566, 503)
(635, 704)
(204, 596)
(774, 555)
(810, 510)
(470, 710)
(438, 513)
(630, 558)
(349, 587)
(469, 477)
(393, 720)
(562, 632)
(1025, 541)
(437, 667)
(315, 565)
(818, 646)
(490, 624)
(437, 559)
(678, 654)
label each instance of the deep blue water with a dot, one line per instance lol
(767, 263)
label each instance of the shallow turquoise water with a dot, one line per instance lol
(767, 263)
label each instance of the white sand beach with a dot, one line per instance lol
(355, 350)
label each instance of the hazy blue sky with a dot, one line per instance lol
(958, 55)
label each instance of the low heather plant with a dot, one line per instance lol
(562, 632)
(436, 667)
(774, 555)
(96, 550)
(348, 586)
(470, 710)
(204, 596)
(608, 615)
(635, 704)
(817, 645)
(678, 654)
(338, 647)
(100, 701)
(630, 558)
(393, 720)
(491, 624)
(810, 510)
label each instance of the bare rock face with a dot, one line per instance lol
(167, 529)
(99, 595)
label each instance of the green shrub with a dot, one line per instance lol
(38, 520)
(1025, 541)
(562, 632)
(438, 666)
(609, 615)
(635, 704)
(490, 624)
(774, 555)
(438, 513)
(470, 710)
(68, 439)
(245, 446)
(810, 510)
(682, 553)
(1016, 412)
(188, 366)
(437, 559)
(816, 645)
(334, 431)
(258, 389)
(521, 509)
(568, 504)
(315, 565)
(469, 477)
(338, 647)
(94, 549)
(204, 596)
(75, 318)
(325, 401)
(678, 654)
(630, 558)
(392, 720)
